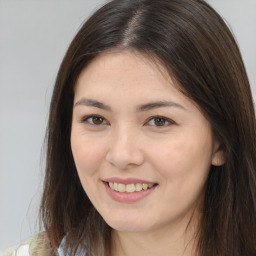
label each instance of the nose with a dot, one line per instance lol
(125, 150)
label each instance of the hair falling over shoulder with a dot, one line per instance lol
(197, 48)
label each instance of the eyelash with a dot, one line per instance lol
(87, 118)
(162, 118)
(167, 121)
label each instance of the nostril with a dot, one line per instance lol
(125, 158)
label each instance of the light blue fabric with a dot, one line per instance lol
(61, 249)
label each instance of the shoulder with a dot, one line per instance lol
(38, 245)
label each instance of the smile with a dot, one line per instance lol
(129, 188)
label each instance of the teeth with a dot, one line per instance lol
(144, 186)
(121, 187)
(138, 187)
(111, 184)
(129, 188)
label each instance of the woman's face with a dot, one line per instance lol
(142, 149)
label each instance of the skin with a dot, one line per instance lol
(128, 142)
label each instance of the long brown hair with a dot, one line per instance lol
(195, 45)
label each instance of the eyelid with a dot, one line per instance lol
(85, 119)
(170, 121)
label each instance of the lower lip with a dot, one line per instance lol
(128, 197)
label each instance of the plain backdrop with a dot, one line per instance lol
(34, 35)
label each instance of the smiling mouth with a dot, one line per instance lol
(130, 188)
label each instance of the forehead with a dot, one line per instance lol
(124, 70)
(130, 77)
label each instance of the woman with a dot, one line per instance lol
(151, 138)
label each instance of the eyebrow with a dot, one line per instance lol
(140, 108)
(93, 103)
(158, 104)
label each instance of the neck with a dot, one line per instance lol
(179, 239)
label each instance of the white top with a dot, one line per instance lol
(23, 249)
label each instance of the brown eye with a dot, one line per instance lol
(97, 120)
(94, 120)
(159, 121)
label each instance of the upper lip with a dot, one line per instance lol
(128, 181)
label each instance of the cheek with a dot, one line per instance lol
(87, 154)
(170, 154)
(183, 160)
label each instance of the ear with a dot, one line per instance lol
(219, 155)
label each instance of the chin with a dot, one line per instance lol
(128, 224)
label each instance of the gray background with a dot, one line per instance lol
(33, 38)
